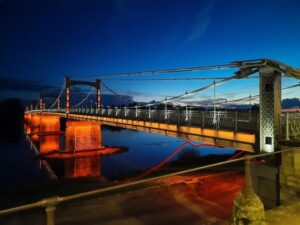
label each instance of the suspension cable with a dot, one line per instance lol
(236, 76)
(251, 97)
(59, 95)
(109, 89)
(174, 79)
(37, 104)
(177, 70)
(84, 99)
(237, 64)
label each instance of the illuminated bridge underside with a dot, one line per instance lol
(226, 138)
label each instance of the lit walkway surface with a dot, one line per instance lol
(176, 200)
(286, 214)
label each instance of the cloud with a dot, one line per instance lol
(206, 102)
(201, 23)
(20, 85)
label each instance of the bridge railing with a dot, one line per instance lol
(290, 124)
(50, 204)
(242, 121)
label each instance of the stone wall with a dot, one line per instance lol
(290, 175)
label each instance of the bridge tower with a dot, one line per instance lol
(270, 108)
(69, 82)
(58, 103)
(41, 104)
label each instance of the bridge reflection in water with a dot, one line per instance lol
(75, 152)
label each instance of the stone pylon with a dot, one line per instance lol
(247, 207)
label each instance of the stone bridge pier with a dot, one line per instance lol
(82, 136)
(44, 129)
(36, 123)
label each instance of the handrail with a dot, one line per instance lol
(21, 208)
(50, 203)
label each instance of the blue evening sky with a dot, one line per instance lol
(43, 41)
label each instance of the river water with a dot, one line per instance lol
(21, 171)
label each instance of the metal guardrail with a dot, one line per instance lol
(50, 203)
(290, 124)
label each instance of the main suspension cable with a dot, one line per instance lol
(84, 99)
(59, 95)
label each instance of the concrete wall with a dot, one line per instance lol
(266, 184)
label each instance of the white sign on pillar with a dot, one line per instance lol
(270, 108)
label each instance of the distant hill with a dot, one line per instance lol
(290, 103)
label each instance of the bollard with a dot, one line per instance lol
(50, 210)
(50, 204)
(247, 207)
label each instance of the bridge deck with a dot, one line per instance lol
(240, 140)
(229, 129)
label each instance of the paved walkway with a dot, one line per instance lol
(177, 200)
(284, 215)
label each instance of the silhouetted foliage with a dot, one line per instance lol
(192, 157)
(11, 120)
(113, 128)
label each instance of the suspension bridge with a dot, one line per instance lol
(250, 130)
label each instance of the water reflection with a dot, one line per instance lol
(81, 149)
(76, 153)
(82, 167)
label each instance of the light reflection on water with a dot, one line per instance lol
(144, 151)
(21, 170)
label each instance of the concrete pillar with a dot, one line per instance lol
(35, 122)
(49, 142)
(58, 103)
(83, 135)
(247, 207)
(27, 119)
(67, 80)
(49, 123)
(67, 100)
(270, 108)
(41, 104)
